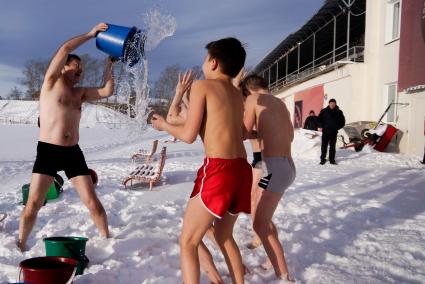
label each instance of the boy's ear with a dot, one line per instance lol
(214, 64)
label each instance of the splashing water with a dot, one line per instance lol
(133, 88)
(158, 27)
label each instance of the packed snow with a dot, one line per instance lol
(93, 115)
(362, 221)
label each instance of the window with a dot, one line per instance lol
(393, 20)
(396, 20)
(391, 98)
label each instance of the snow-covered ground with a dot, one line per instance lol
(362, 221)
(27, 112)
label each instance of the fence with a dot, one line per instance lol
(355, 54)
(16, 120)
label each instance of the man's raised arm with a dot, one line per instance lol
(59, 59)
(93, 94)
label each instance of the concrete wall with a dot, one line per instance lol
(411, 119)
(341, 84)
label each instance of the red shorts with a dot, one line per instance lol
(224, 185)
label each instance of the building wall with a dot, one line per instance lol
(361, 89)
(411, 119)
(382, 69)
(340, 84)
(312, 99)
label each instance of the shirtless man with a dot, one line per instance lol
(57, 149)
(275, 134)
(222, 187)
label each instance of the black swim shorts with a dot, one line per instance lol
(256, 162)
(53, 158)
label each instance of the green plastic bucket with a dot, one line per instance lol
(54, 191)
(71, 247)
(25, 193)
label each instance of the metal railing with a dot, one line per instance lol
(17, 120)
(329, 60)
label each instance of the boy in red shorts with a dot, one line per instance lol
(223, 185)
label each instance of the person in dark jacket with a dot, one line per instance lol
(331, 119)
(311, 122)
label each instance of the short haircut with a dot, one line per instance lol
(253, 82)
(229, 53)
(311, 111)
(72, 57)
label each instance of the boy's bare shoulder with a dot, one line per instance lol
(208, 86)
(201, 83)
(252, 99)
(200, 86)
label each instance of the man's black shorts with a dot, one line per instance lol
(53, 158)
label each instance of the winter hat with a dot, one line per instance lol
(332, 100)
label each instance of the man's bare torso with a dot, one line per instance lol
(60, 113)
(222, 126)
(274, 128)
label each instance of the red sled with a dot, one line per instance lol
(382, 144)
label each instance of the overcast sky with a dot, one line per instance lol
(35, 29)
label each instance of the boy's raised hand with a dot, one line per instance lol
(158, 122)
(239, 78)
(184, 82)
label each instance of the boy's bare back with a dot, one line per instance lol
(275, 131)
(222, 125)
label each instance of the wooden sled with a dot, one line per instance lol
(143, 155)
(146, 172)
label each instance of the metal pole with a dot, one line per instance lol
(334, 40)
(286, 71)
(298, 71)
(269, 76)
(348, 28)
(277, 70)
(314, 48)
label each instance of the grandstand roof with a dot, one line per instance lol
(329, 9)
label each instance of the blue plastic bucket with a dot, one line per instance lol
(120, 42)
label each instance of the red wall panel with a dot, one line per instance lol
(309, 99)
(412, 45)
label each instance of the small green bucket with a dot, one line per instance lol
(54, 191)
(71, 247)
(26, 192)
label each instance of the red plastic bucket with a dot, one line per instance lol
(48, 270)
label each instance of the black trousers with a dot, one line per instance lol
(328, 138)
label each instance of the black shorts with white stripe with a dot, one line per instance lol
(264, 182)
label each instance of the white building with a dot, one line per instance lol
(364, 53)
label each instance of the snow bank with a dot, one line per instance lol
(92, 115)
